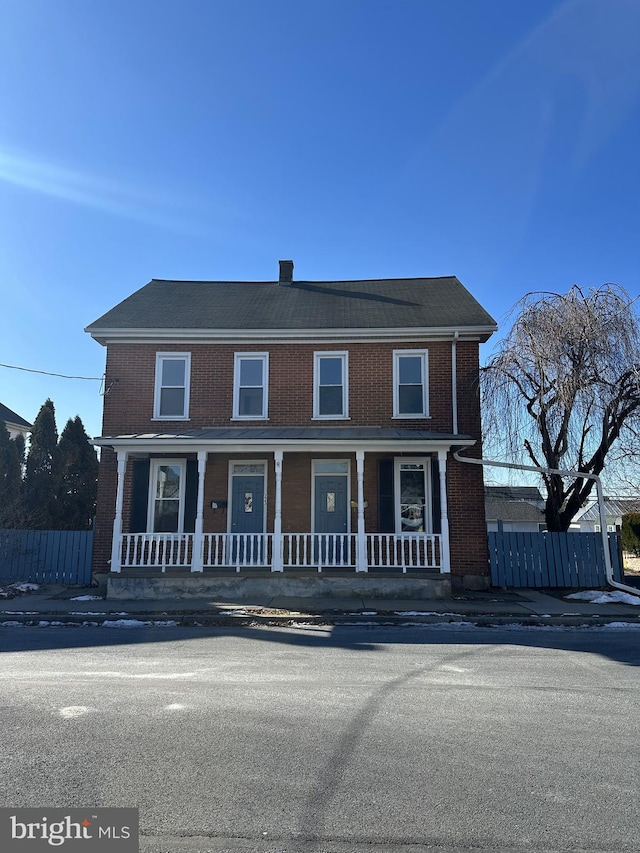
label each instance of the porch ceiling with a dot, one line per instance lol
(301, 439)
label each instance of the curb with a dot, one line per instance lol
(207, 620)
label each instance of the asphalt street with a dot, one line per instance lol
(316, 740)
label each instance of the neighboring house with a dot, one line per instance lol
(588, 518)
(292, 425)
(15, 424)
(514, 509)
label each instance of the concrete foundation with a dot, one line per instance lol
(470, 583)
(244, 588)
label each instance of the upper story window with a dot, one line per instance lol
(410, 384)
(172, 385)
(250, 385)
(330, 385)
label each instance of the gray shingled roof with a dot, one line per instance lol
(223, 305)
(9, 416)
(512, 511)
(513, 493)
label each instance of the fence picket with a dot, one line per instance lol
(46, 556)
(550, 559)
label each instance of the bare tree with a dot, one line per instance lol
(563, 388)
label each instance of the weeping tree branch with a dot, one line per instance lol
(563, 389)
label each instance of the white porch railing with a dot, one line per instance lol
(156, 550)
(242, 550)
(319, 550)
(404, 550)
(298, 550)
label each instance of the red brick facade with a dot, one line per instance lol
(129, 406)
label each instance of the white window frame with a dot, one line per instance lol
(343, 355)
(424, 355)
(153, 479)
(175, 356)
(237, 359)
(399, 461)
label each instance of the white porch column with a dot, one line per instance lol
(445, 559)
(198, 538)
(361, 542)
(116, 542)
(277, 557)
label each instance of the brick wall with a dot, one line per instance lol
(128, 408)
(130, 378)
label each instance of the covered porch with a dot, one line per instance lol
(356, 500)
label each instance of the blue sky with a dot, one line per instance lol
(490, 139)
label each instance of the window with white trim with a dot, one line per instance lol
(410, 384)
(166, 496)
(330, 385)
(250, 385)
(172, 385)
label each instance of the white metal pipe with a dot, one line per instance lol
(568, 473)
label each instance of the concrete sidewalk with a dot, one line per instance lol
(526, 606)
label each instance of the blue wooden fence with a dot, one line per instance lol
(46, 556)
(551, 559)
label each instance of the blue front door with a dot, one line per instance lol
(247, 517)
(331, 517)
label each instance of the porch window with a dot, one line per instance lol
(166, 504)
(330, 392)
(410, 391)
(412, 489)
(172, 385)
(250, 385)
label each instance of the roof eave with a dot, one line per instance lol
(106, 335)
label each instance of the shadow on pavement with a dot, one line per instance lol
(613, 643)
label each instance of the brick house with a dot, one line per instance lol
(292, 426)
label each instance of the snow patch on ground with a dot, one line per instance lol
(596, 596)
(72, 711)
(137, 623)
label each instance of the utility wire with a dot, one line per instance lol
(47, 373)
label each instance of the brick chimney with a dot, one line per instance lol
(286, 273)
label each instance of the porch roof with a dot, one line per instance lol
(292, 438)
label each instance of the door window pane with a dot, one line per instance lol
(331, 467)
(166, 508)
(412, 501)
(331, 501)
